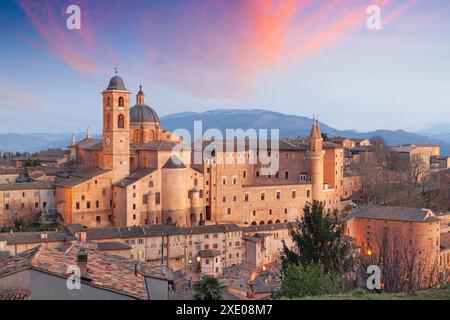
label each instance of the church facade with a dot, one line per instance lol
(141, 174)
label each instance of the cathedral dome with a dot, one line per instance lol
(143, 113)
(116, 83)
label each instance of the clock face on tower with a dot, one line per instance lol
(108, 141)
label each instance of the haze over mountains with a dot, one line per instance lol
(289, 126)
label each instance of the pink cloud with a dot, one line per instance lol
(210, 49)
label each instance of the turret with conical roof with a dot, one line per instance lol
(315, 155)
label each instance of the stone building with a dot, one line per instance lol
(141, 174)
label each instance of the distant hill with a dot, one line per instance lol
(34, 142)
(289, 126)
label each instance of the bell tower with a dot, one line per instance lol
(315, 156)
(116, 128)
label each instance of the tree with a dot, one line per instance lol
(208, 288)
(319, 239)
(405, 267)
(311, 280)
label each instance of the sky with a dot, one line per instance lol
(299, 57)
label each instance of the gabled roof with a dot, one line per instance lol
(78, 176)
(155, 145)
(393, 213)
(174, 163)
(106, 271)
(135, 176)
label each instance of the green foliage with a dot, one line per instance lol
(208, 288)
(318, 239)
(20, 224)
(311, 280)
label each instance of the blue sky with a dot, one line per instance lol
(293, 56)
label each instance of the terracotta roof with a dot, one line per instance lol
(155, 145)
(155, 230)
(19, 262)
(113, 245)
(90, 144)
(267, 227)
(77, 177)
(35, 237)
(174, 163)
(43, 184)
(248, 145)
(135, 176)
(16, 294)
(393, 213)
(107, 271)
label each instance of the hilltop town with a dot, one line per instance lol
(141, 209)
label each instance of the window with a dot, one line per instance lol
(257, 173)
(108, 121)
(278, 195)
(7, 206)
(144, 199)
(88, 205)
(77, 205)
(97, 204)
(137, 136)
(44, 204)
(263, 196)
(134, 206)
(157, 198)
(108, 102)
(244, 174)
(308, 193)
(294, 194)
(121, 102)
(36, 205)
(98, 219)
(302, 177)
(121, 121)
(150, 184)
(229, 211)
(134, 216)
(246, 197)
(286, 174)
(224, 199)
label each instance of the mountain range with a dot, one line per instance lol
(289, 126)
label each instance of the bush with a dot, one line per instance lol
(311, 280)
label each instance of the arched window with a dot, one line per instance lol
(108, 102)
(137, 136)
(254, 223)
(108, 122)
(121, 122)
(278, 221)
(261, 222)
(269, 222)
(121, 102)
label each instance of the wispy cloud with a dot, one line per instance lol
(11, 97)
(210, 49)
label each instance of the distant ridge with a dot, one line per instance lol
(289, 126)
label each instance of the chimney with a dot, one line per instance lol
(82, 263)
